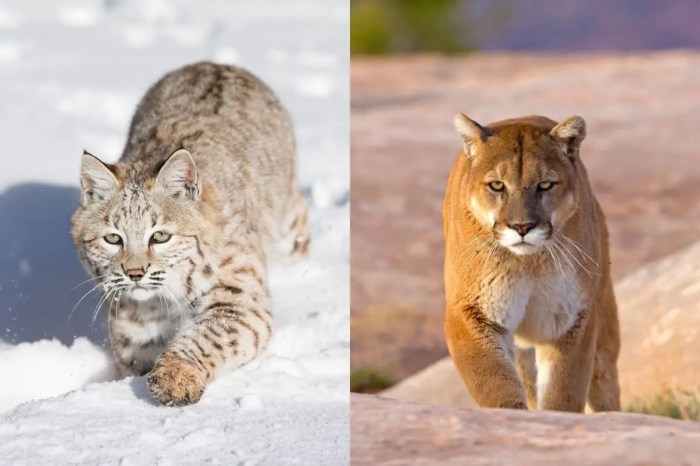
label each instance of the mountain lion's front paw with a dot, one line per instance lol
(513, 405)
(175, 382)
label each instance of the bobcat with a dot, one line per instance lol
(531, 316)
(179, 230)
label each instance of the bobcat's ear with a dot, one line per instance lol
(470, 131)
(96, 178)
(570, 133)
(178, 176)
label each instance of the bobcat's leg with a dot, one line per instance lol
(604, 394)
(295, 226)
(483, 353)
(138, 332)
(232, 325)
(564, 367)
(525, 358)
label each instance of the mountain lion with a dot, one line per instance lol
(531, 318)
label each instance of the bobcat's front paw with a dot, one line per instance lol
(175, 382)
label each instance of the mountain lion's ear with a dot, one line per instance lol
(179, 175)
(96, 179)
(470, 131)
(570, 133)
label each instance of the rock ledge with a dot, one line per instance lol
(391, 432)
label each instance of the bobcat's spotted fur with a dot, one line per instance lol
(178, 231)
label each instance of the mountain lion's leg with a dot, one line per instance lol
(525, 358)
(483, 353)
(564, 368)
(604, 394)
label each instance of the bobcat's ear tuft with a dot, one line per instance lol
(178, 176)
(570, 133)
(96, 178)
(470, 131)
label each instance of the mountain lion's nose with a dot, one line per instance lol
(522, 228)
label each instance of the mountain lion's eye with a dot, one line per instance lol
(160, 237)
(113, 238)
(545, 186)
(496, 186)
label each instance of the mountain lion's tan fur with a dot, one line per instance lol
(530, 317)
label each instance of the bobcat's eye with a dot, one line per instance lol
(496, 186)
(160, 237)
(113, 238)
(545, 186)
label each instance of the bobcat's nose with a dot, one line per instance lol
(522, 228)
(135, 274)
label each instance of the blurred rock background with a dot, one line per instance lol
(381, 27)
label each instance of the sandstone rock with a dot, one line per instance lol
(389, 432)
(660, 326)
(438, 383)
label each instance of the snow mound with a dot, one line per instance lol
(47, 368)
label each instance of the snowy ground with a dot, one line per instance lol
(71, 74)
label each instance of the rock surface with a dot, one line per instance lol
(439, 383)
(660, 326)
(659, 309)
(389, 432)
(641, 153)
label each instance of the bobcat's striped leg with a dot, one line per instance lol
(296, 226)
(137, 333)
(232, 326)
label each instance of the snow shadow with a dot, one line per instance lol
(40, 274)
(140, 390)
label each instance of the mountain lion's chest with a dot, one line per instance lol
(535, 309)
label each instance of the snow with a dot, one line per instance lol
(71, 74)
(62, 368)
